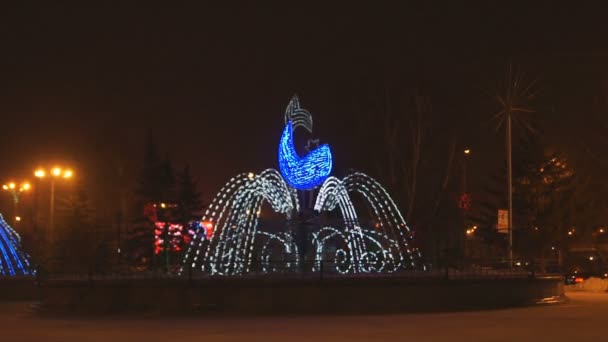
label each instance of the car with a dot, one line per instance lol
(582, 264)
(577, 278)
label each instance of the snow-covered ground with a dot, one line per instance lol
(582, 319)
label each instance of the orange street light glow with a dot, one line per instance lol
(11, 185)
(55, 172)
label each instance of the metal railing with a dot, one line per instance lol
(318, 270)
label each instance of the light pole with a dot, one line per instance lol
(55, 173)
(16, 191)
(465, 198)
(513, 105)
(510, 187)
(467, 152)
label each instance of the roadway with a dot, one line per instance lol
(583, 318)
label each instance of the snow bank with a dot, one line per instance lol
(595, 284)
(592, 284)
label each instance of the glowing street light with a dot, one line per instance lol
(16, 192)
(55, 172)
(467, 152)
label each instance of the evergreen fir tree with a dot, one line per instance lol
(156, 186)
(167, 181)
(546, 193)
(149, 187)
(75, 243)
(188, 198)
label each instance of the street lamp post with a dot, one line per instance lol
(16, 192)
(513, 105)
(52, 206)
(510, 187)
(54, 174)
(467, 152)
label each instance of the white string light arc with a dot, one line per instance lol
(381, 243)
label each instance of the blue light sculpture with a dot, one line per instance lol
(13, 261)
(303, 173)
(380, 241)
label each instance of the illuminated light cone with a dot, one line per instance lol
(13, 260)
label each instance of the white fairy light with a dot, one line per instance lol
(382, 246)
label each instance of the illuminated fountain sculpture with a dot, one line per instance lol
(13, 261)
(319, 223)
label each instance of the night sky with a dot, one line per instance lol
(85, 85)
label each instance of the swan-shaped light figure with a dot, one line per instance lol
(303, 173)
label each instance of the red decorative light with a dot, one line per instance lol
(169, 236)
(465, 201)
(208, 228)
(173, 232)
(150, 212)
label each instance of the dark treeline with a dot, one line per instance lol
(398, 91)
(409, 134)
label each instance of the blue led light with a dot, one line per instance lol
(13, 261)
(233, 244)
(303, 173)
